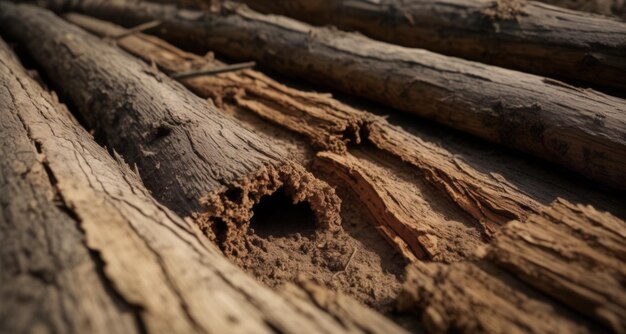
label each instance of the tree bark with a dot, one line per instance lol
(404, 219)
(85, 248)
(193, 157)
(604, 7)
(517, 34)
(579, 129)
(571, 255)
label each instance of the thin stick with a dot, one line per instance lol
(140, 28)
(213, 71)
(347, 263)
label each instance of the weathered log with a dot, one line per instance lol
(579, 129)
(571, 255)
(403, 217)
(604, 7)
(85, 248)
(192, 157)
(522, 35)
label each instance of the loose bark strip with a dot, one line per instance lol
(579, 129)
(327, 123)
(322, 119)
(571, 255)
(523, 35)
(407, 220)
(85, 248)
(191, 156)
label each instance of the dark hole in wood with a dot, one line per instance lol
(219, 229)
(277, 216)
(234, 195)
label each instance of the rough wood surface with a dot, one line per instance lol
(401, 217)
(193, 157)
(579, 129)
(523, 35)
(604, 7)
(85, 248)
(569, 255)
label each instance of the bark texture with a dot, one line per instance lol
(522, 35)
(410, 223)
(193, 157)
(579, 129)
(571, 255)
(85, 248)
(604, 7)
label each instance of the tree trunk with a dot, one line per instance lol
(85, 248)
(571, 255)
(604, 7)
(403, 217)
(193, 157)
(578, 129)
(522, 35)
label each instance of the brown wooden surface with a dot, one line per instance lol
(194, 158)
(581, 130)
(85, 248)
(524, 35)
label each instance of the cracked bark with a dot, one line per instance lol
(523, 35)
(85, 248)
(191, 156)
(403, 219)
(557, 266)
(579, 129)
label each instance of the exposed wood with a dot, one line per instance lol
(403, 217)
(579, 129)
(193, 157)
(85, 248)
(418, 229)
(518, 34)
(571, 255)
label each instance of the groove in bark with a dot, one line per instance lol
(523, 35)
(579, 129)
(572, 255)
(492, 201)
(190, 155)
(64, 197)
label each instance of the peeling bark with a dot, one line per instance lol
(571, 255)
(523, 35)
(579, 129)
(85, 248)
(192, 157)
(491, 201)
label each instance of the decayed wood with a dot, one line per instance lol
(193, 157)
(579, 129)
(328, 124)
(405, 217)
(85, 248)
(518, 34)
(571, 255)
(489, 200)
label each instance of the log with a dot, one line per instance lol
(192, 157)
(571, 255)
(85, 247)
(523, 35)
(604, 7)
(579, 129)
(404, 218)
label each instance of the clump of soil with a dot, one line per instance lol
(287, 244)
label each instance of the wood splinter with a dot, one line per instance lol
(213, 71)
(140, 28)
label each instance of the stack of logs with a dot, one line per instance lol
(476, 189)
